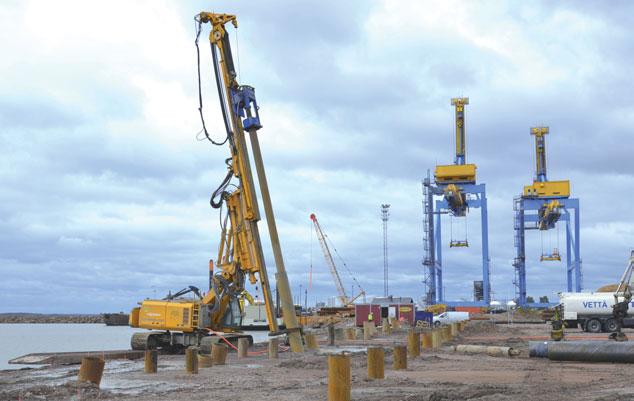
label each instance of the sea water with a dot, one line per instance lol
(17, 339)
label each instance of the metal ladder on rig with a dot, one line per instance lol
(518, 227)
(428, 262)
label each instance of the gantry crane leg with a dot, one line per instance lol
(480, 202)
(484, 224)
(527, 218)
(440, 298)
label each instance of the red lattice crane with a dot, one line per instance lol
(343, 297)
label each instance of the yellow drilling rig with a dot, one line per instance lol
(177, 321)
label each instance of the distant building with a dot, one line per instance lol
(391, 300)
(400, 308)
(333, 302)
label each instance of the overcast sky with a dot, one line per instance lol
(105, 186)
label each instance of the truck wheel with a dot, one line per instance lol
(437, 324)
(609, 326)
(593, 326)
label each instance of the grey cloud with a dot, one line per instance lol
(88, 215)
(35, 112)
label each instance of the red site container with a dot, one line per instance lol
(402, 312)
(361, 312)
(405, 312)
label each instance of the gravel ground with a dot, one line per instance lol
(435, 376)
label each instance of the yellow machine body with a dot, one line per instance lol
(455, 173)
(167, 315)
(547, 189)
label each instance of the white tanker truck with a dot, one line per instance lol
(592, 311)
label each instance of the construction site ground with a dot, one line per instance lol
(434, 376)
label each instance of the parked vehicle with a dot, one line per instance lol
(450, 317)
(591, 311)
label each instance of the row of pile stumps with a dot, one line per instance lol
(418, 338)
(339, 377)
(91, 369)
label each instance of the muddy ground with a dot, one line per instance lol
(435, 376)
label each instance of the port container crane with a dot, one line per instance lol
(455, 185)
(343, 297)
(179, 322)
(540, 207)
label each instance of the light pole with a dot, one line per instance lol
(385, 215)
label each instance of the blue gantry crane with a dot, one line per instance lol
(540, 207)
(454, 192)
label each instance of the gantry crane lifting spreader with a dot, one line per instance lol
(539, 207)
(179, 322)
(343, 297)
(456, 184)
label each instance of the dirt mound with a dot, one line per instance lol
(480, 393)
(475, 327)
(608, 288)
(69, 390)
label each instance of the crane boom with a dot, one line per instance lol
(540, 153)
(543, 188)
(461, 147)
(624, 288)
(330, 261)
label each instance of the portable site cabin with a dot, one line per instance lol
(400, 308)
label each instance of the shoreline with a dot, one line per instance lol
(36, 318)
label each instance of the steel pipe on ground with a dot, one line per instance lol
(538, 349)
(331, 335)
(488, 350)
(274, 348)
(591, 351)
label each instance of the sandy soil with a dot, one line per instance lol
(435, 376)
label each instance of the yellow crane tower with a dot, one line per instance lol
(540, 206)
(456, 184)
